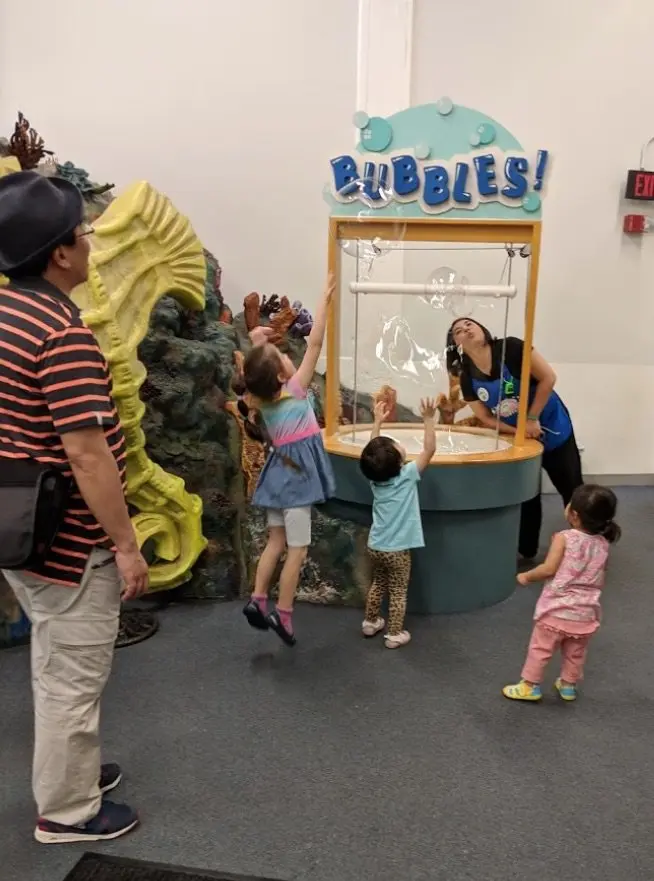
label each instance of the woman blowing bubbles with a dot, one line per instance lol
(476, 358)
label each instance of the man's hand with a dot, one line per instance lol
(427, 408)
(381, 413)
(133, 571)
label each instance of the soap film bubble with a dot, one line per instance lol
(384, 206)
(398, 349)
(460, 305)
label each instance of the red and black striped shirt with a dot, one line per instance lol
(54, 379)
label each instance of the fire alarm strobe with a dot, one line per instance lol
(640, 183)
(636, 224)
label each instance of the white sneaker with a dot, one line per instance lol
(395, 640)
(372, 628)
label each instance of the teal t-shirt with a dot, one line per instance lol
(396, 521)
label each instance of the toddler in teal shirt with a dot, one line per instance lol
(396, 523)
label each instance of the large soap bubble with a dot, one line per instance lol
(400, 352)
(381, 204)
(460, 305)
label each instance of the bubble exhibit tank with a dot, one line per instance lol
(402, 278)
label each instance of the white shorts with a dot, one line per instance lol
(296, 522)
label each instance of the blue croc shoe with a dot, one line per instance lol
(566, 692)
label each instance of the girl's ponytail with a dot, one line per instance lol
(611, 531)
(253, 423)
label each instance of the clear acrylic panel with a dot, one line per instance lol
(396, 343)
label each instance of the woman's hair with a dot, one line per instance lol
(455, 360)
(596, 506)
(261, 370)
(380, 460)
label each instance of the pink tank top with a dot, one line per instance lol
(574, 593)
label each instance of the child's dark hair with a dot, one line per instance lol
(455, 360)
(261, 372)
(254, 424)
(596, 506)
(380, 460)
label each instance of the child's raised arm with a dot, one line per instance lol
(428, 413)
(549, 567)
(304, 375)
(381, 415)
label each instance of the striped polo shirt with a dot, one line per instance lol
(54, 379)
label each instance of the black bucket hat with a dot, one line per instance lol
(36, 213)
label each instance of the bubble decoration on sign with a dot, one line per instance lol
(486, 133)
(445, 106)
(376, 135)
(459, 304)
(360, 119)
(475, 139)
(374, 200)
(531, 202)
(422, 151)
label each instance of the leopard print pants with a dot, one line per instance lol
(390, 577)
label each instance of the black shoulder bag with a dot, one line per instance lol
(33, 499)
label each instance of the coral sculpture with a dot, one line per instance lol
(304, 321)
(27, 145)
(388, 396)
(449, 405)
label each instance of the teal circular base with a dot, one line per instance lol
(470, 520)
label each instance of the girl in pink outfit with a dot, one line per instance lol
(568, 611)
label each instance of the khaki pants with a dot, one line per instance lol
(73, 635)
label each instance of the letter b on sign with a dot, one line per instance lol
(405, 175)
(436, 190)
(345, 172)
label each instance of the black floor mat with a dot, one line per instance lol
(97, 867)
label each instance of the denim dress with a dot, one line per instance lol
(297, 472)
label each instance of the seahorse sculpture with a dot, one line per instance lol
(142, 250)
(8, 165)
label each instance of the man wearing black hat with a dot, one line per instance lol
(56, 408)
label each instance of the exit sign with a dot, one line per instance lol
(640, 185)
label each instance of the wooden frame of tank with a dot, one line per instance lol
(427, 229)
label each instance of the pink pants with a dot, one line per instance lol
(543, 644)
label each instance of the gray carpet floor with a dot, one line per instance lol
(342, 761)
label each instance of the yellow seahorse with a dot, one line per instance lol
(143, 249)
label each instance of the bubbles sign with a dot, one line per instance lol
(439, 158)
(439, 186)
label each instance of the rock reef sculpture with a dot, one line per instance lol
(173, 345)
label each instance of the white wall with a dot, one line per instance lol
(570, 77)
(231, 108)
